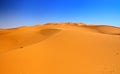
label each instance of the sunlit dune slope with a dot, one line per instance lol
(60, 48)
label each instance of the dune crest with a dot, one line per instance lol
(60, 48)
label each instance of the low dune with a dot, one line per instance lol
(60, 48)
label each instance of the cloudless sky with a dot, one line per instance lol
(15, 13)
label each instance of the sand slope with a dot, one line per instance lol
(64, 48)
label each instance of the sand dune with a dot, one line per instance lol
(60, 48)
(107, 29)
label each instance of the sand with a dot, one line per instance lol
(60, 48)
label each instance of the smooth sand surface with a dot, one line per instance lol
(60, 48)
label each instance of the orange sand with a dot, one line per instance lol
(60, 48)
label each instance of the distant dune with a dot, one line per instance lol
(60, 48)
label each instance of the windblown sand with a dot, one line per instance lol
(60, 48)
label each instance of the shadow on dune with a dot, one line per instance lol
(29, 40)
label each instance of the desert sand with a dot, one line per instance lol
(60, 48)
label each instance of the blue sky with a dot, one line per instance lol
(14, 13)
